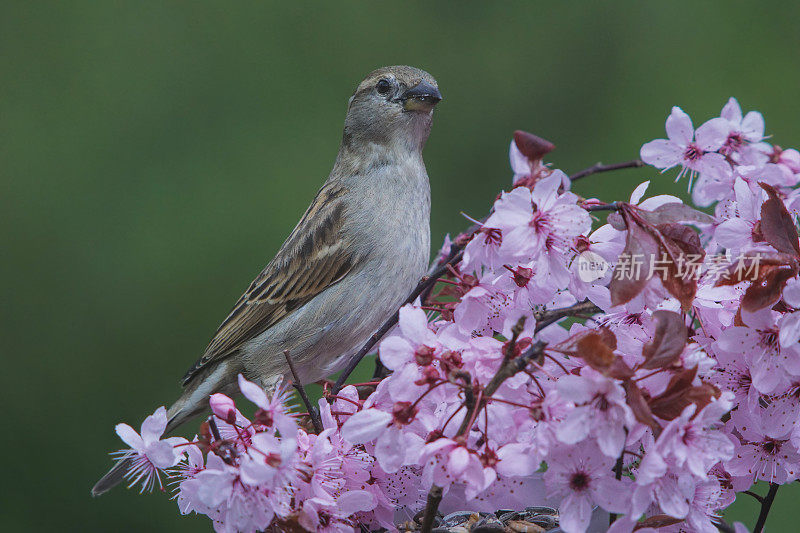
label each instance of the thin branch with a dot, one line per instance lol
(508, 368)
(596, 169)
(313, 413)
(613, 206)
(545, 318)
(377, 374)
(758, 497)
(424, 285)
(431, 508)
(766, 504)
(618, 476)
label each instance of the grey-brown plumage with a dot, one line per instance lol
(356, 254)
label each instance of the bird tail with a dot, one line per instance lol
(191, 403)
(112, 478)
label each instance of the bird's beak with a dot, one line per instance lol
(421, 97)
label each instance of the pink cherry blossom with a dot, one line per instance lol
(539, 222)
(694, 151)
(580, 478)
(691, 443)
(760, 456)
(747, 129)
(600, 411)
(149, 453)
(416, 340)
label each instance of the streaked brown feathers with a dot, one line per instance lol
(314, 257)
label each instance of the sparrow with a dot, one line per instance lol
(356, 254)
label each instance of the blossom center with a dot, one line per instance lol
(771, 447)
(744, 381)
(404, 412)
(769, 339)
(492, 236)
(602, 403)
(733, 143)
(692, 152)
(540, 221)
(579, 481)
(632, 319)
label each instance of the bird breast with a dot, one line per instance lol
(393, 198)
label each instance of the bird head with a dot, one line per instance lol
(393, 106)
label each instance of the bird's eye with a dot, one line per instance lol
(383, 86)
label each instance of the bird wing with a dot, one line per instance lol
(314, 257)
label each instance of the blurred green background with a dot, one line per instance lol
(153, 156)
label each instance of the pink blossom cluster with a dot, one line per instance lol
(519, 381)
(248, 475)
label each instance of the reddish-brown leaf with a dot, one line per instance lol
(665, 252)
(595, 352)
(607, 337)
(620, 370)
(767, 289)
(702, 395)
(684, 237)
(676, 275)
(681, 246)
(657, 521)
(635, 262)
(595, 346)
(777, 225)
(670, 403)
(681, 287)
(679, 393)
(639, 406)
(675, 212)
(668, 342)
(532, 146)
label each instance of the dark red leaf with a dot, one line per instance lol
(638, 404)
(767, 290)
(607, 337)
(532, 146)
(634, 265)
(667, 252)
(595, 352)
(702, 395)
(675, 212)
(684, 237)
(657, 521)
(675, 269)
(668, 342)
(670, 403)
(620, 370)
(595, 346)
(777, 225)
(679, 393)
(681, 287)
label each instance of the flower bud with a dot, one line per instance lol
(429, 376)
(424, 355)
(451, 360)
(404, 412)
(223, 408)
